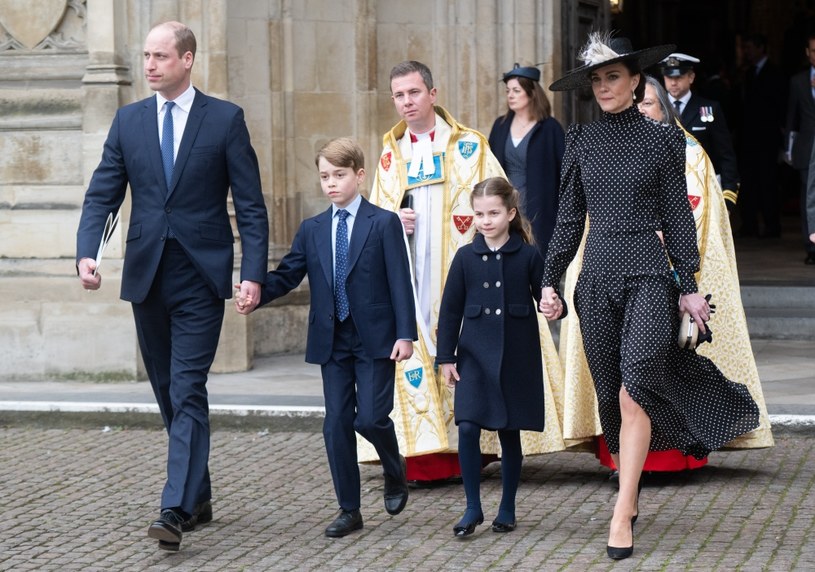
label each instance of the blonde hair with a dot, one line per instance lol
(511, 198)
(342, 152)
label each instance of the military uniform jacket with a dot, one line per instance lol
(497, 353)
(715, 139)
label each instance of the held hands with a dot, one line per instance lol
(697, 306)
(89, 280)
(450, 375)
(247, 296)
(408, 218)
(402, 350)
(551, 305)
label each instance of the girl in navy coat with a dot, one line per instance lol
(493, 359)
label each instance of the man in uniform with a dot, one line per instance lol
(427, 169)
(705, 121)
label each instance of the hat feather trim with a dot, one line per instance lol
(596, 50)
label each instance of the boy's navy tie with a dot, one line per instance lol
(341, 266)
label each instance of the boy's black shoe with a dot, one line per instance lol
(347, 522)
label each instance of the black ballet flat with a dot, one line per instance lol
(616, 553)
(503, 526)
(461, 530)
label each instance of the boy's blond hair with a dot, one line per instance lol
(342, 152)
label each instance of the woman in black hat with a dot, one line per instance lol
(625, 174)
(529, 142)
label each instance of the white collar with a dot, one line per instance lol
(184, 101)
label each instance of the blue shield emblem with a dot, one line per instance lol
(414, 377)
(467, 148)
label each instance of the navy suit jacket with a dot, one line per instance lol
(215, 155)
(801, 118)
(379, 286)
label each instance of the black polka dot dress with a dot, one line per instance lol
(627, 173)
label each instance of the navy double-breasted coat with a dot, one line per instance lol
(488, 327)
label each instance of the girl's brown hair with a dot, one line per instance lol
(500, 187)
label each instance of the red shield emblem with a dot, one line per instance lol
(694, 201)
(462, 222)
(385, 160)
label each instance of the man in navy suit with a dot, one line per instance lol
(361, 321)
(801, 132)
(704, 119)
(180, 151)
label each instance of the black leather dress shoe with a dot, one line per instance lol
(396, 490)
(202, 514)
(167, 529)
(347, 522)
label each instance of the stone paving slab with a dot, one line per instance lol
(79, 499)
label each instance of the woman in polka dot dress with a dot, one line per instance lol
(625, 174)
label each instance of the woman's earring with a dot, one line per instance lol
(634, 94)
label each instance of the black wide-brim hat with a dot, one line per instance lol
(601, 51)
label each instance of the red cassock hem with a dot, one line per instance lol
(658, 461)
(438, 466)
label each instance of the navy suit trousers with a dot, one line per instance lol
(178, 326)
(358, 396)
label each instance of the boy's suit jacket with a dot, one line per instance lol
(379, 286)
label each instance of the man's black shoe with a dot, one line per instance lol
(396, 490)
(347, 522)
(202, 514)
(167, 527)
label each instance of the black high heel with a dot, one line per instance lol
(466, 529)
(616, 553)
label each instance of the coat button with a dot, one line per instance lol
(498, 256)
(498, 284)
(485, 258)
(486, 284)
(487, 311)
(498, 312)
(168, 210)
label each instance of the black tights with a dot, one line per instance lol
(469, 456)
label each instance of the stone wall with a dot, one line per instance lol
(305, 71)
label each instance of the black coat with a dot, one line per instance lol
(801, 118)
(714, 136)
(543, 156)
(497, 352)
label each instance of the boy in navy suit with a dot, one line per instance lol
(362, 320)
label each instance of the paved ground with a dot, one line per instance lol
(82, 465)
(81, 499)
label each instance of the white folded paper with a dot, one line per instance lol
(110, 226)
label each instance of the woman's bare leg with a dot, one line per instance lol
(635, 437)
